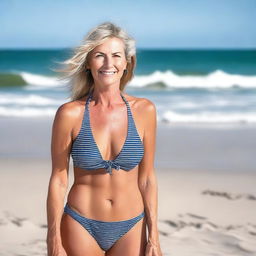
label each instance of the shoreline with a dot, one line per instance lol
(211, 147)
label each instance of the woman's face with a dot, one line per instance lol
(107, 62)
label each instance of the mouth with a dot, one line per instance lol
(109, 73)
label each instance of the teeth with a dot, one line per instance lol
(108, 72)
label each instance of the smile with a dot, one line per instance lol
(108, 72)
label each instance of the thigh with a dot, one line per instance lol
(76, 240)
(133, 243)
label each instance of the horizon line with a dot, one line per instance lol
(138, 48)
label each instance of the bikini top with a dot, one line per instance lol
(86, 154)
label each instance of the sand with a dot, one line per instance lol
(206, 180)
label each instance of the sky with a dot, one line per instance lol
(152, 23)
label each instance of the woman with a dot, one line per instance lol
(111, 138)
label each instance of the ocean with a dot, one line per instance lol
(187, 86)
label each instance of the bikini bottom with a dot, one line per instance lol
(106, 233)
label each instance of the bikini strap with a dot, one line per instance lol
(126, 102)
(89, 97)
(130, 116)
(87, 103)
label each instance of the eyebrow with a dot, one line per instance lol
(103, 52)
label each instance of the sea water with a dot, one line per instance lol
(187, 86)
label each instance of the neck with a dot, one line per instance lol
(107, 97)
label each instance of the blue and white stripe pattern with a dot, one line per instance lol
(86, 154)
(106, 233)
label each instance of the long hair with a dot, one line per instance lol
(74, 70)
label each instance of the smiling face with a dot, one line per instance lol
(107, 62)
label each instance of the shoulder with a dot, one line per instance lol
(142, 105)
(70, 110)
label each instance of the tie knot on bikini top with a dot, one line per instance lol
(109, 164)
(86, 154)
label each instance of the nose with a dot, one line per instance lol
(108, 61)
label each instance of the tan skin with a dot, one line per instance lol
(98, 195)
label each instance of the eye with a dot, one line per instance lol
(98, 55)
(116, 55)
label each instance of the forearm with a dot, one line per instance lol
(55, 201)
(149, 191)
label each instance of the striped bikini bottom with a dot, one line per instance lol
(106, 233)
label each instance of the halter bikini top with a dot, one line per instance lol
(86, 154)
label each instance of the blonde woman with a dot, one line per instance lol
(111, 208)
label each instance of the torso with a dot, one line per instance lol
(98, 195)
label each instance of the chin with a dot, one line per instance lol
(108, 81)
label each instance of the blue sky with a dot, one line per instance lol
(154, 24)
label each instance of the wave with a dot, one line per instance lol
(11, 79)
(166, 117)
(216, 79)
(31, 99)
(27, 112)
(210, 103)
(208, 117)
(40, 80)
(157, 80)
(26, 78)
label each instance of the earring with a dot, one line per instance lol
(125, 71)
(87, 70)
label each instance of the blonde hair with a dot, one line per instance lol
(81, 82)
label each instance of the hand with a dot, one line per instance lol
(57, 252)
(153, 249)
(61, 252)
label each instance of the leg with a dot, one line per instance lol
(76, 239)
(133, 243)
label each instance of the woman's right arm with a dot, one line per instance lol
(60, 153)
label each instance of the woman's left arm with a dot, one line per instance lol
(147, 179)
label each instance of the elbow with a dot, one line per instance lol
(59, 182)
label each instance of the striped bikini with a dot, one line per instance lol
(86, 155)
(106, 233)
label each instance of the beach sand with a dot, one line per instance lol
(206, 184)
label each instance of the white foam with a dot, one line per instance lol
(208, 117)
(216, 79)
(27, 112)
(30, 99)
(207, 103)
(40, 80)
